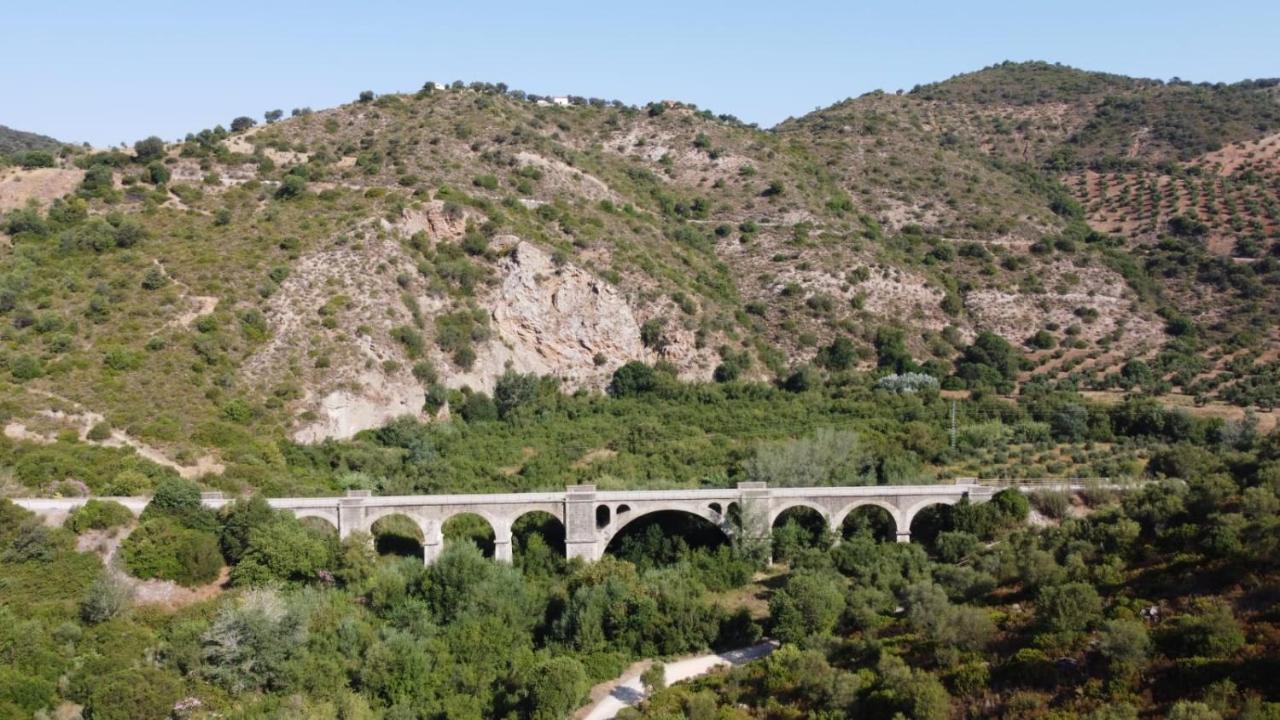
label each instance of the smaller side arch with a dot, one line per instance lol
(913, 512)
(900, 527)
(909, 514)
(329, 517)
(373, 515)
(776, 512)
(499, 529)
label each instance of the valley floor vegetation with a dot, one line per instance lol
(1155, 600)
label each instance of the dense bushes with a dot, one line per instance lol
(98, 515)
(162, 548)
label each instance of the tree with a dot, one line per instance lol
(356, 559)
(366, 96)
(654, 678)
(990, 361)
(1210, 630)
(162, 548)
(557, 687)
(809, 604)
(148, 150)
(1012, 504)
(283, 550)
(272, 115)
(652, 334)
(180, 499)
(513, 391)
(242, 123)
(1068, 608)
(839, 355)
(157, 173)
(1070, 422)
(632, 379)
(903, 691)
(250, 644)
(828, 457)
(891, 351)
(238, 519)
(1125, 644)
(802, 379)
(98, 515)
(107, 597)
(293, 186)
(478, 407)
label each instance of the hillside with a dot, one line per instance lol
(331, 271)
(13, 142)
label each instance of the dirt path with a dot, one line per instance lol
(84, 420)
(607, 699)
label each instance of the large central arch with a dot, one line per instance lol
(637, 534)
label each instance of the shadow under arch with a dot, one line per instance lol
(929, 520)
(663, 537)
(397, 534)
(797, 528)
(872, 520)
(469, 527)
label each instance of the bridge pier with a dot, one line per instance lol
(431, 552)
(502, 552)
(580, 539)
(351, 513)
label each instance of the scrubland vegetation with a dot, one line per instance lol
(1158, 599)
(978, 279)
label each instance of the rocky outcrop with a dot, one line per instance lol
(556, 320)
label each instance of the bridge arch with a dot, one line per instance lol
(791, 504)
(923, 517)
(326, 515)
(705, 513)
(878, 517)
(476, 527)
(374, 514)
(798, 526)
(397, 533)
(838, 519)
(694, 526)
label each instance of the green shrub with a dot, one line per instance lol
(180, 500)
(25, 691)
(25, 367)
(1209, 630)
(143, 693)
(162, 548)
(98, 515)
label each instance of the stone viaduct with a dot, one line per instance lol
(592, 518)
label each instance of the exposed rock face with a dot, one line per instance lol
(553, 320)
(376, 400)
(353, 374)
(437, 222)
(545, 319)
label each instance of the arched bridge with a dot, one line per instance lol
(591, 517)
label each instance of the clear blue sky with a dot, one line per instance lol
(107, 72)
